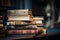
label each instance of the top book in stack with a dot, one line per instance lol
(22, 15)
(20, 12)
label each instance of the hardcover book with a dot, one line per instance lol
(22, 31)
(38, 18)
(21, 18)
(19, 12)
(29, 27)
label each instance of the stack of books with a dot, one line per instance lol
(1, 26)
(20, 22)
(39, 22)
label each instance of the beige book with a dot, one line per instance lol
(38, 18)
(19, 12)
(39, 22)
(20, 23)
(40, 28)
(22, 12)
(21, 18)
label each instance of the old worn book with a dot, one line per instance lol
(19, 12)
(22, 31)
(21, 18)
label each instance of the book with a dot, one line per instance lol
(19, 12)
(21, 18)
(29, 27)
(38, 18)
(22, 31)
(33, 26)
(17, 23)
(39, 22)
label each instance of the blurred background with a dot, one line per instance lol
(49, 9)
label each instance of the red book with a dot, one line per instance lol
(22, 31)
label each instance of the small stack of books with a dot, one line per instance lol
(39, 23)
(20, 22)
(1, 26)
